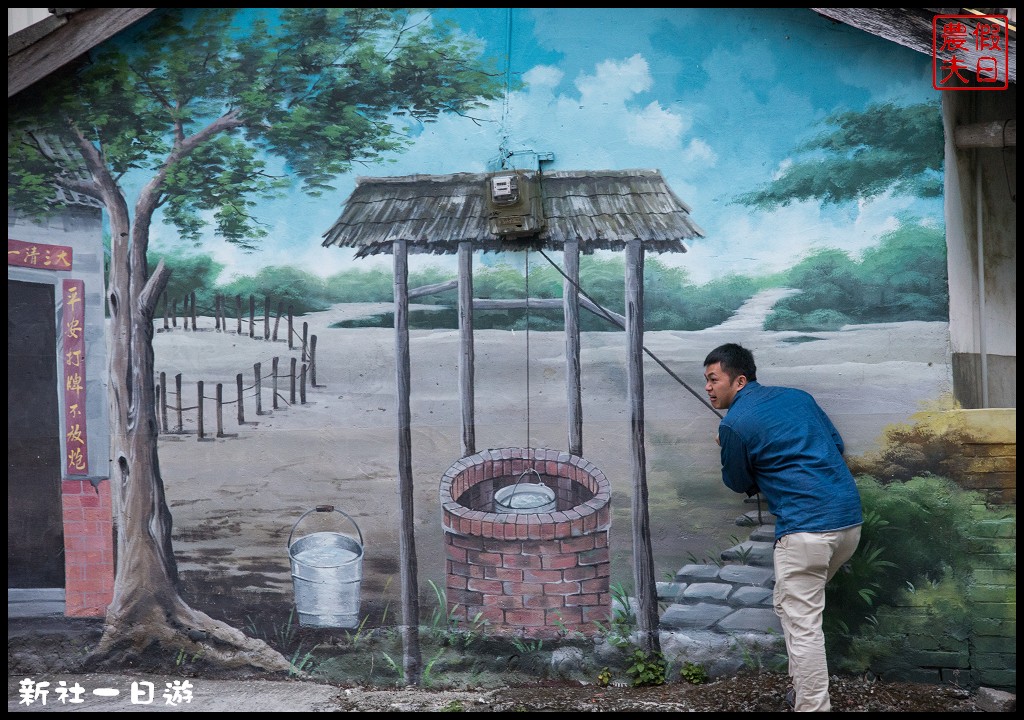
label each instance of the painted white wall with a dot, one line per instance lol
(982, 304)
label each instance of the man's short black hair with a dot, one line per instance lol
(735, 360)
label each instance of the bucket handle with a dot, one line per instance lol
(325, 509)
(524, 473)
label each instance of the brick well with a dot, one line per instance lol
(528, 574)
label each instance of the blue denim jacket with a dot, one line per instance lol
(779, 442)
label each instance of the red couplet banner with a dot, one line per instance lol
(73, 332)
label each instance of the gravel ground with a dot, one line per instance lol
(54, 648)
(761, 692)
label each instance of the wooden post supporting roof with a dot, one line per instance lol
(571, 311)
(411, 657)
(467, 390)
(643, 552)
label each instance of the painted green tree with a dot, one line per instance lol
(886, 147)
(198, 101)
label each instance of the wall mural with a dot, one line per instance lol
(254, 364)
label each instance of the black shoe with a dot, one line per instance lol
(791, 697)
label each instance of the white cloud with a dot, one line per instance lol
(614, 82)
(542, 77)
(597, 127)
(698, 151)
(655, 127)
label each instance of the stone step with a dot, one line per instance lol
(750, 552)
(733, 599)
(754, 518)
(735, 574)
(721, 599)
(42, 602)
(735, 595)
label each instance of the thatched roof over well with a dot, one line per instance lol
(601, 209)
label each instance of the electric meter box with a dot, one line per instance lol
(514, 205)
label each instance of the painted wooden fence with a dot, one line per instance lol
(286, 389)
(246, 323)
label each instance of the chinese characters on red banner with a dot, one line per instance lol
(970, 52)
(73, 331)
(35, 255)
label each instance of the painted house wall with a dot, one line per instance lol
(84, 497)
(720, 118)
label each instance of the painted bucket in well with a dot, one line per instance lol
(327, 571)
(525, 497)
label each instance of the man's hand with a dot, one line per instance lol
(719, 444)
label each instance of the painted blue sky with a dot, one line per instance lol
(717, 100)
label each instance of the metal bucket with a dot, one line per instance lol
(528, 497)
(327, 569)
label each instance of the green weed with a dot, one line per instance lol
(743, 553)
(525, 647)
(182, 658)
(704, 560)
(429, 666)
(282, 637)
(693, 673)
(646, 668)
(622, 609)
(356, 638)
(755, 662)
(397, 667)
(566, 633)
(285, 635)
(445, 623)
(299, 663)
(623, 619)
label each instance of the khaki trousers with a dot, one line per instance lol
(804, 563)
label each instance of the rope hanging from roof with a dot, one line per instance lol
(618, 324)
(526, 254)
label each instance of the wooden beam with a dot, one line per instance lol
(513, 304)
(912, 28)
(436, 287)
(603, 312)
(548, 304)
(70, 37)
(995, 134)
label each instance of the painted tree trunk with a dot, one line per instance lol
(147, 620)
